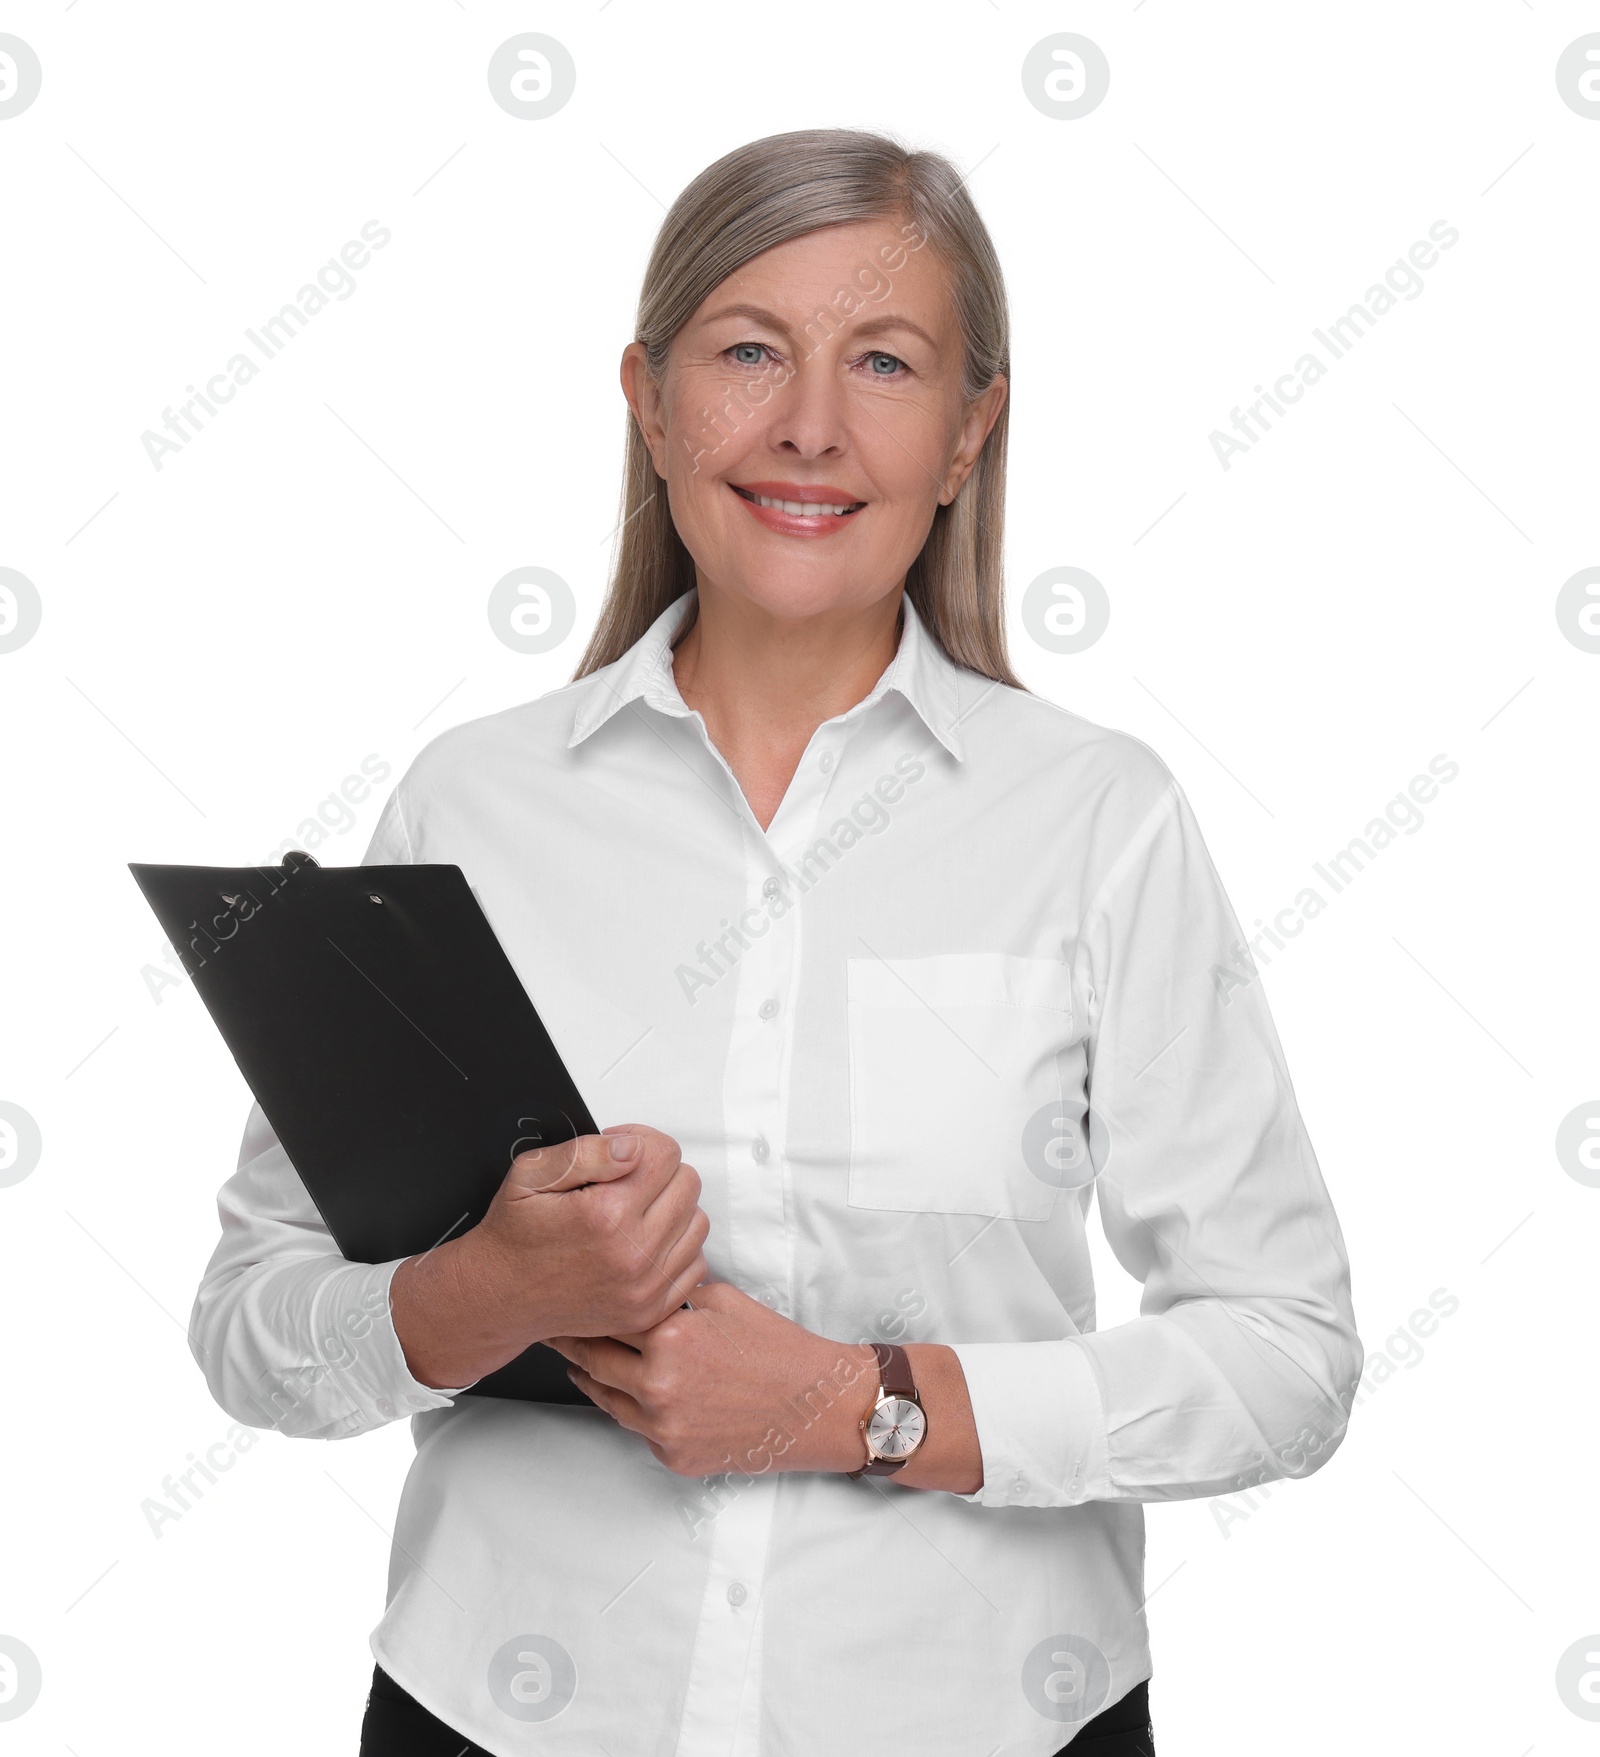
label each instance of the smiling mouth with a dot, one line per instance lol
(800, 508)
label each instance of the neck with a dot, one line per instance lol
(763, 683)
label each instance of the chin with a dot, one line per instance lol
(794, 595)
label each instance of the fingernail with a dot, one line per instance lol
(624, 1146)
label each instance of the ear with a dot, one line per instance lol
(645, 400)
(976, 425)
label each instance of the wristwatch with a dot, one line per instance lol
(897, 1424)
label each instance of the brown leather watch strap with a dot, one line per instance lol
(894, 1370)
(895, 1380)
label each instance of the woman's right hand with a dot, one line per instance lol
(578, 1241)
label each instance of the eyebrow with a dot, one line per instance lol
(876, 326)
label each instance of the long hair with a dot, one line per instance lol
(762, 195)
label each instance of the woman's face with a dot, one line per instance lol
(825, 372)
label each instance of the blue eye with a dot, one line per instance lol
(880, 365)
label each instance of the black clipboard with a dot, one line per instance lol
(390, 1043)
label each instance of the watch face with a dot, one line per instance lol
(896, 1428)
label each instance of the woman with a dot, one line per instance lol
(897, 965)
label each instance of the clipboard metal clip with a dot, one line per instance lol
(292, 862)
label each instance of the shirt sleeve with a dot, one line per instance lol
(1245, 1358)
(288, 1333)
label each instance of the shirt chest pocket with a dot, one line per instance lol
(950, 1058)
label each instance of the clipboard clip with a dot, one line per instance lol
(297, 858)
(292, 863)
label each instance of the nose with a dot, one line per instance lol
(810, 417)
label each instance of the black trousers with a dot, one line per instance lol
(397, 1725)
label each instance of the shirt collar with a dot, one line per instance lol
(920, 671)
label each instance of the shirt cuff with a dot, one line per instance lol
(1041, 1423)
(362, 1349)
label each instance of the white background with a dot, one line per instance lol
(1373, 583)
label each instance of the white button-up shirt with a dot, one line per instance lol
(976, 972)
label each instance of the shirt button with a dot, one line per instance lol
(771, 888)
(826, 762)
(769, 1009)
(385, 1407)
(738, 1593)
(760, 1149)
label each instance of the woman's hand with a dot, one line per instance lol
(731, 1386)
(596, 1236)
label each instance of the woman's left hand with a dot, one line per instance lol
(731, 1386)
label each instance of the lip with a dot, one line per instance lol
(793, 524)
(812, 493)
